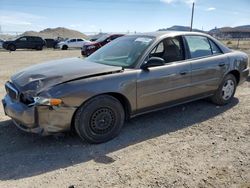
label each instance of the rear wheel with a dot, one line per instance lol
(39, 47)
(100, 119)
(226, 91)
(12, 47)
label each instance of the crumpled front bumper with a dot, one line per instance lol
(43, 120)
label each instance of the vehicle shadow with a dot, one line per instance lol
(24, 155)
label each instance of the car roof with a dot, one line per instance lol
(159, 34)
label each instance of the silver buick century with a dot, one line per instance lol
(132, 75)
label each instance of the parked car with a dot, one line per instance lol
(132, 75)
(72, 43)
(89, 48)
(1, 43)
(51, 43)
(25, 42)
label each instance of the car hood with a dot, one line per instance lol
(91, 43)
(40, 77)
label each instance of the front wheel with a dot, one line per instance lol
(12, 47)
(226, 91)
(100, 119)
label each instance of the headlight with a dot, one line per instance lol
(46, 101)
(90, 47)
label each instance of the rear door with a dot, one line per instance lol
(208, 64)
(79, 43)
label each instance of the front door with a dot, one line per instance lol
(22, 42)
(168, 83)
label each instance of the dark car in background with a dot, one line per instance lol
(1, 43)
(25, 42)
(51, 43)
(132, 75)
(89, 48)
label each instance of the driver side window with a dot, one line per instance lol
(23, 39)
(169, 49)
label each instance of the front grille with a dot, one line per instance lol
(12, 91)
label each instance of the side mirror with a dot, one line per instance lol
(153, 62)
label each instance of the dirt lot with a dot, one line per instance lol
(193, 145)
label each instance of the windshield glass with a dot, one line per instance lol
(122, 52)
(102, 38)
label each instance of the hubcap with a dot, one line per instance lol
(228, 89)
(102, 121)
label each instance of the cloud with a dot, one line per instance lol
(211, 9)
(75, 25)
(188, 2)
(14, 18)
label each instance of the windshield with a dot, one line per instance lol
(122, 52)
(102, 38)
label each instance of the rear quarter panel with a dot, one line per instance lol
(239, 61)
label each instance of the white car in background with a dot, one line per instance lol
(72, 43)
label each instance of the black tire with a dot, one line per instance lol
(220, 98)
(65, 47)
(12, 47)
(100, 119)
(39, 47)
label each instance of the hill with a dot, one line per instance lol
(179, 28)
(56, 32)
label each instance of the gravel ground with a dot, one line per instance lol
(192, 145)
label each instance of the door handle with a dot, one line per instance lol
(222, 64)
(183, 72)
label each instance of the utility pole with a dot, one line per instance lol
(192, 18)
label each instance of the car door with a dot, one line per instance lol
(32, 43)
(208, 63)
(164, 84)
(22, 42)
(72, 43)
(79, 43)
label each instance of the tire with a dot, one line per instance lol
(12, 47)
(65, 47)
(100, 119)
(226, 90)
(39, 47)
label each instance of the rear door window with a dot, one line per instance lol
(199, 46)
(72, 40)
(215, 49)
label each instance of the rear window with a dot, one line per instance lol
(199, 46)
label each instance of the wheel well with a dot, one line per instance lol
(124, 101)
(121, 98)
(236, 74)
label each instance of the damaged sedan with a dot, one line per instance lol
(132, 75)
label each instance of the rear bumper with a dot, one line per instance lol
(42, 120)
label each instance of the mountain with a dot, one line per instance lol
(179, 28)
(56, 32)
(243, 28)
